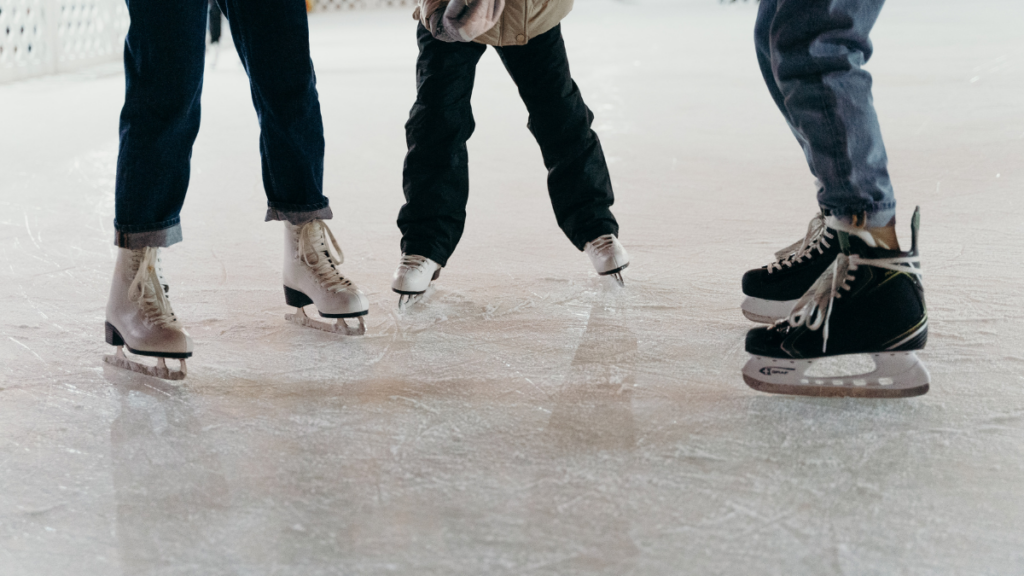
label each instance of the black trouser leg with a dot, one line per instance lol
(272, 40)
(163, 67)
(436, 173)
(578, 180)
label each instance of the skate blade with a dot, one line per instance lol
(406, 300)
(896, 375)
(159, 371)
(616, 275)
(338, 327)
(766, 311)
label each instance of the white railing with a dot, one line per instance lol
(49, 36)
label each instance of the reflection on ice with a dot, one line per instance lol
(169, 489)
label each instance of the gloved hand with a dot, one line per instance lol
(464, 20)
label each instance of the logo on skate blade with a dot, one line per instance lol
(774, 371)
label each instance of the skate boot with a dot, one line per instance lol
(412, 278)
(771, 291)
(608, 256)
(869, 301)
(140, 318)
(311, 276)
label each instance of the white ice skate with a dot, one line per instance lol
(412, 278)
(608, 256)
(140, 318)
(311, 276)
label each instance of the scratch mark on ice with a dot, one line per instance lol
(28, 228)
(415, 403)
(27, 348)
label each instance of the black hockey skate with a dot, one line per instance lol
(869, 301)
(771, 291)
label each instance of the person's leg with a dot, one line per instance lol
(163, 63)
(817, 49)
(578, 180)
(762, 44)
(272, 39)
(435, 176)
(215, 22)
(868, 297)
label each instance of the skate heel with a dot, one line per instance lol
(295, 298)
(915, 341)
(113, 338)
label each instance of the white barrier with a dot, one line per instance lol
(49, 36)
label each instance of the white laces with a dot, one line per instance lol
(147, 290)
(602, 242)
(821, 296)
(412, 261)
(312, 243)
(817, 238)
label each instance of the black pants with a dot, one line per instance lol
(436, 173)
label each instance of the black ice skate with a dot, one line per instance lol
(869, 301)
(771, 291)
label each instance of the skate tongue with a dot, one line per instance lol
(915, 226)
(149, 293)
(844, 242)
(320, 234)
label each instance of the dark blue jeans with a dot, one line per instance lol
(811, 54)
(436, 173)
(164, 58)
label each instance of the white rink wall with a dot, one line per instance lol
(49, 36)
(40, 37)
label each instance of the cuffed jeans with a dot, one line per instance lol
(164, 58)
(811, 54)
(436, 173)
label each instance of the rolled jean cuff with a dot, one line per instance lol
(125, 237)
(877, 215)
(297, 215)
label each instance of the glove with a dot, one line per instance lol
(464, 20)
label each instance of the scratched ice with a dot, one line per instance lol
(527, 418)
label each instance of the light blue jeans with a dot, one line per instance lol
(811, 54)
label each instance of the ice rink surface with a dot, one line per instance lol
(527, 417)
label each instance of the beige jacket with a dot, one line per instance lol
(521, 20)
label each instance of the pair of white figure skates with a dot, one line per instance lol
(141, 319)
(415, 272)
